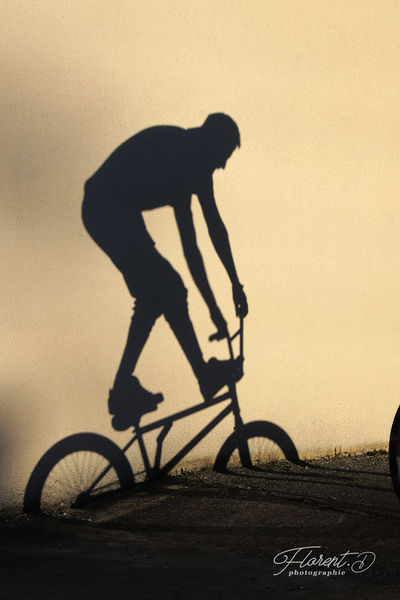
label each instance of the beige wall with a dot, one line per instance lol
(310, 200)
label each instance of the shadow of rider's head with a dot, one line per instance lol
(221, 136)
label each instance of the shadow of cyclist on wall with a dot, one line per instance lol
(159, 166)
(162, 166)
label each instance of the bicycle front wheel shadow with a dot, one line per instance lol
(78, 468)
(255, 444)
(394, 453)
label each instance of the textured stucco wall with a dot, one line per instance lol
(310, 201)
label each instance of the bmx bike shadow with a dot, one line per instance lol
(83, 466)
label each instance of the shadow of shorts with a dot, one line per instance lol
(119, 230)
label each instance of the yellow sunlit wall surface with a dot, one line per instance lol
(310, 202)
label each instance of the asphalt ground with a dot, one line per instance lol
(327, 530)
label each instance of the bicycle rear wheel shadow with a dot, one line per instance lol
(76, 468)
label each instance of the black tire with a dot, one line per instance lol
(394, 453)
(68, 470)
(254, 444)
